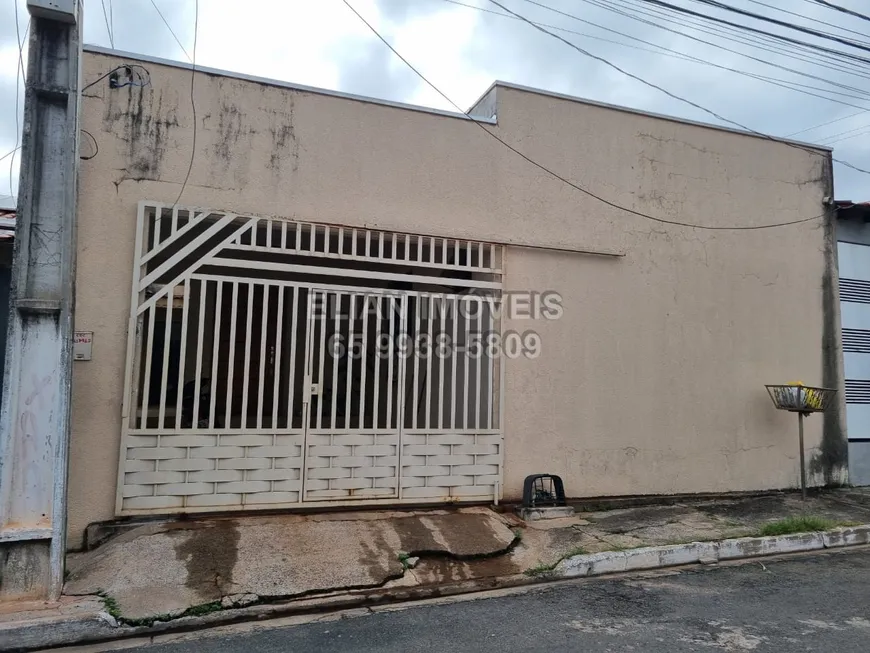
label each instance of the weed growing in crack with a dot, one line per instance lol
(110, 605)
(205, 608)
(541, 569)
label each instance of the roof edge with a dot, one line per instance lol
(650, 114)
(98, 49)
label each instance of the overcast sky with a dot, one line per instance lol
(463, 49)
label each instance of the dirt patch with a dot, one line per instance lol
(633, 519)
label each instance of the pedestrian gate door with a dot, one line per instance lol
(273, 363)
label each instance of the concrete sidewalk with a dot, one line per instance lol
(161, 571)
(199, 571)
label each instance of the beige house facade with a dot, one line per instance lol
(262, 331)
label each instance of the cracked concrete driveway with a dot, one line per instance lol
(165, 569)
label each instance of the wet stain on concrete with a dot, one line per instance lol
(416, 538)
(373, 560)
(433, 571)
(210, 555)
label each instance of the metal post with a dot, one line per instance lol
(803, 466)
(34, 424)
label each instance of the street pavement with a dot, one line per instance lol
(806, 603)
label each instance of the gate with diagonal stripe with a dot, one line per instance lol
(276, 363)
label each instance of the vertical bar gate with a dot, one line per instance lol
(259, 381)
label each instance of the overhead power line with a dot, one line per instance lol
(755, 30)
(10, 153)
(782, 23)
(108, 26)
(838, 137)
(807, 53)
(192, 103)
(815, 20)
(169, 27)
(635, 14)
(825, 124)
(677, 54)
(804, 53)
(548, 170)
(669, 93)
(845, 10)
(19, 75)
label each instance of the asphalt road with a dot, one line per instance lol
(814, 603)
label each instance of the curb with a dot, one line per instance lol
(656, 557)
(98, 626)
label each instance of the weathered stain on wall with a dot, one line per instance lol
(831, 461)
(137, 116)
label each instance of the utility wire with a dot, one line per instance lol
(782, 23)
(755, 30)
(846, 138)
(19, 75)
(127, 66)
(633, 14)
(108, 27)
(673, 95)
(548, 170)
(801, 51)
(743, 54)
(677, 54)
(165, 22)
(10, 153)
(825, 124)
(816, 20)
(792, 48)
(766, 62)
(851, 12)
(837, 136)
(192, 103)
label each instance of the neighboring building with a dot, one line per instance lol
(212, 383)
(853, 236)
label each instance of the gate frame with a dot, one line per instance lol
(139, 304)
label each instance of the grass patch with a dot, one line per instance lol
(111, 606)
(205, 608)
(403, 557)
(540, 569)
(576, 551)
(802, 524)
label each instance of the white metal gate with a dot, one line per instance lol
(274, 363)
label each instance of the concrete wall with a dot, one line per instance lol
(652, 381)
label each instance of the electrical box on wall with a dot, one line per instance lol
(83, 342)
(66, 11)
